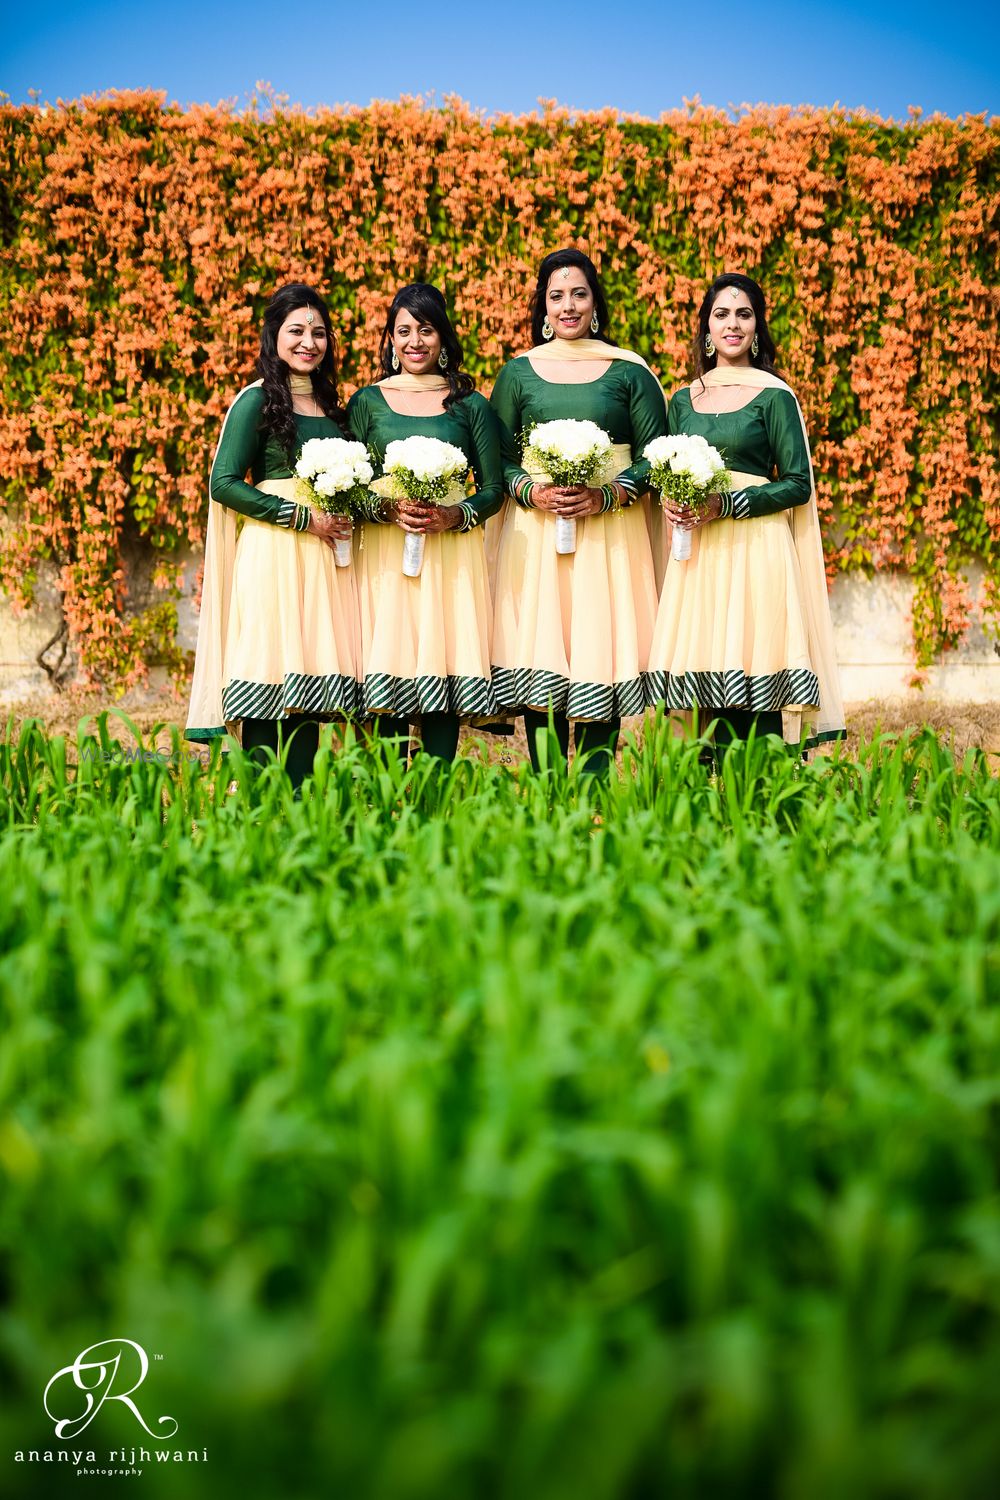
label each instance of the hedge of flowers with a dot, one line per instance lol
(140, 242)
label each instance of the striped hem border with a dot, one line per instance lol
(518, 688)
(828, 736)
(298, 693)
(403, 696)
(732, 689)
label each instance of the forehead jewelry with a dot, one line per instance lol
(564, 273)
(310, 317)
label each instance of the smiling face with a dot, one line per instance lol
(732, 325)
(416, 343)
(302, 340)
(569, 303)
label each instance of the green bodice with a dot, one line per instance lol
(468, 424)
(765, 437)
(625, 401)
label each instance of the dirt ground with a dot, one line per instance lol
(962, 724)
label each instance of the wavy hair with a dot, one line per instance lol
(555, 262)
(425, 302)
(766, 356)
(277, 415)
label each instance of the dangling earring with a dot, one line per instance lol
(595, 323)
(443, 360)
(755, 347)
(395, 358)
(547, 329)
(709, 346)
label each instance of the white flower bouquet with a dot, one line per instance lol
(687, 469)
(337, 473)
(424, 469)
(567, 452)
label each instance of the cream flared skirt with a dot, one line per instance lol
(424, 641)
(573, 632)
(292, 635)
(731, 630)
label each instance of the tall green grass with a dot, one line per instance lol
(465, 1134)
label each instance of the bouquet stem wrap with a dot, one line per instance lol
(413, 554)
(680, 547)
(565, 535)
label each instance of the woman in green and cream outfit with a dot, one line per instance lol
(743, 632)
(425, 641)
(278, 634)
(571, 633)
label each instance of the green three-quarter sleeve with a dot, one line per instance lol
(649, 420)
(487, 464)
(506, 404)
(791, 459)
(238, 448)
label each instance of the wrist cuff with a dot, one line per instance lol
(470, 516)
(287, 515)
(741, 505)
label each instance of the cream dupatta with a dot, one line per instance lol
(576, 350)
(407, 382)
(205, 718)
(827, 721)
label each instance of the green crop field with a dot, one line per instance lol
(468, 1135)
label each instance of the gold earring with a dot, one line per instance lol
(595, 323)
(709, 346)
(547, 329)
(395, 358)
(755, 347)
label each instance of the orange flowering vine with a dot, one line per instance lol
(140, 242)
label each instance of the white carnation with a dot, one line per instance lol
(570, 439)
(661, 450)
(568, 451)
(686, 467)
(425, 458)
(334, 481)
(336, 462)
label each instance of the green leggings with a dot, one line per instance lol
(299, 733)
(736, 723)
(595, 740)
(438, 732)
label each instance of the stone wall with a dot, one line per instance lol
(870, 616)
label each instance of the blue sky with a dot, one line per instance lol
(637, 55)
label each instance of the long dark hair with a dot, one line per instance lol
(766, 356)
(277, 415)
(425, 302)
(555, 262)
